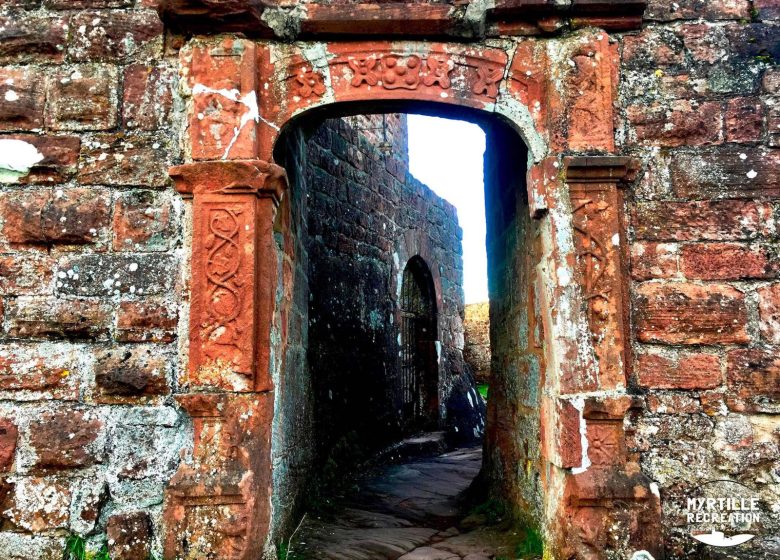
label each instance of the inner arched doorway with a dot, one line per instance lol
(419, 374)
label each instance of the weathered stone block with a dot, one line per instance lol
(132, 371)
(744, 120)
(726, 173)
(28, 38)
(143, 221)
(124, 160)
(39, 504)
(686, 371)
(42, 318)
(726, 261)
(148, 96)
(654, 260)
(8, 437)
(115, 35)
(682, 123)
(749, 41)
(663, 10)
(72, 216)
(146, 321)
(767, 10)
(728, 220)
(754, 373)
(769, 313)
(771, 80)
(86, 4)
(66, 439)
(38, 372)
(19, 546)
(129, 535)
(651, 48)
(682, 313)
(28, 273)
(114, 274)
(83, 97)
(23, 98)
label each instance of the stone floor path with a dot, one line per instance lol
(405, 511)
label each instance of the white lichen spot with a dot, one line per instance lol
(743, 156)
(133, 267)
(752, 174)
(11, 95)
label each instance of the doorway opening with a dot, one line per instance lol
(379, 427)
(418, 383)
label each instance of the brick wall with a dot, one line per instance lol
(91, 264)
(93, 260)
(699, 96)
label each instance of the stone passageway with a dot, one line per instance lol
(406, 511)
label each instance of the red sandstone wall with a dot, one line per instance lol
(91, 268)
(93, 259)
(699, 99)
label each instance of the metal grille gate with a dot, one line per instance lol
(418, 333)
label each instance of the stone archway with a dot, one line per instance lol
(558, 95)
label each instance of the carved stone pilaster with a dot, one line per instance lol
(233, 270)
(597, 214)
(216, 505)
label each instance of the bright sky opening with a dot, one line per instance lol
(447, 156)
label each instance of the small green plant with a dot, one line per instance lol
(102, 554)
(483, 389)
(75, 548)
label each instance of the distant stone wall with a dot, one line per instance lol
(476, 333)
(367, 216)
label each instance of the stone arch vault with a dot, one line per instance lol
(558, 94)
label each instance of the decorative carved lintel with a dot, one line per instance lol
(257, 177)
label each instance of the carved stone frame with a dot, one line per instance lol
(241, 95)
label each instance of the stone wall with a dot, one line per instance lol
(699, 97)
(94, 244)
(367, 216)
(357, 216)
(92, 269)
(476, 336)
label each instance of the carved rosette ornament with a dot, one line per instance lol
(391, 71)
(309, 83)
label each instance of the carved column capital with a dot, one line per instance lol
(264, 179)
(600, 169)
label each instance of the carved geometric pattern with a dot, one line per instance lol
(488, 78)
(593, 255)
(224, 303)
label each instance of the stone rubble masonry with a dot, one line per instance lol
(94, 252)
(90, 291)
(476, 348)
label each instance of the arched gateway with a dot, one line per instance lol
(557, 94)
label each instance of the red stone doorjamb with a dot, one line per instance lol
(558, 94)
